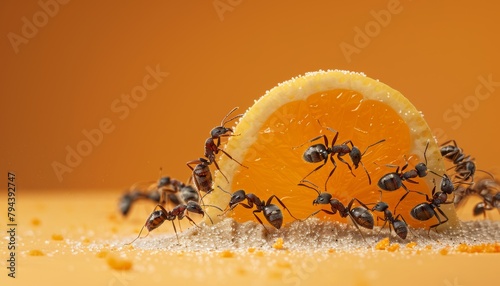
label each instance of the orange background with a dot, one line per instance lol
(66, 76)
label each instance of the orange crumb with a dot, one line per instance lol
(444, 250)
(259, 253)
(393, 247)
(331, 250)
(35, 222)
(251, 250)
(278, 244)
(57, 237)
(118, 263)
(479, 248)
(102, 254)
(428, 247)
(114, 229)
(411, 244)
(383, 244)
(227, 254)
(86, 240)
(36, 252)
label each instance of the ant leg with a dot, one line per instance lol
(217, 166)
(321, 210)
(439, 220)
(382, 227)
(360, 202)
(192, 221)
(356, 225)
(232, 158)
(316, 169)
(406, 194)
(260, 221)
(450, 141)
(366, 171)
(348, 166)
(312, 140)
(193, 162)
(175, 230)
(282, 204)
(331, 172)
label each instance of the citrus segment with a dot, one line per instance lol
(274, 134)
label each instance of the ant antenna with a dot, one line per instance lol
(378, 142)
(224, 190)
(425, 151)
(313, 187)
(224, 121)
(487, 173)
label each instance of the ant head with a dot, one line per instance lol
(219, 131)
(237, 198)
(355, 155)
(274, 215)
(163, 181)
(380, 206)
(421, 169)
(194, 207)
(323, 199)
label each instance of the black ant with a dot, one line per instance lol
(465, 168)
(158, 217)
(272, 213)
(399, 225)
(360, 216)
(202, 176)
(489, 202)
(485, 188)
(394, 181)
(213, 142)
(164, 190)
(129, 198)
(321, 152)
(427, 210)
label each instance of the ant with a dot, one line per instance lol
(201, 175)
(360, 215)
(212, 147)
(128, 199)
(164, 190)
(394, 181)
(158, 217)
(272, 213)
(399, 225)
(485, 188)
(427, 210)
(321, 152)
(465, 168)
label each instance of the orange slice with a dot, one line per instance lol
(362, 110)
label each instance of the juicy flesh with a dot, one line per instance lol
(276, 167)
